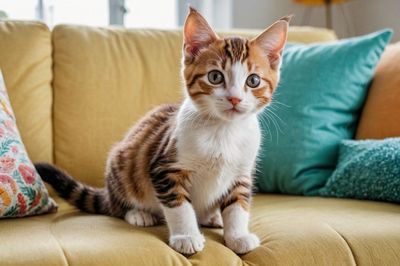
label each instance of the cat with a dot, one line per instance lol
(192, 163)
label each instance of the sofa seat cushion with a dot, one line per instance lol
(293, 231)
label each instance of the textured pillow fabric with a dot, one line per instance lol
(318, 101)
(381, 114)
(367, 169)
(22, 192)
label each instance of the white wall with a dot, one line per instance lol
(217, 12)
(364, 16)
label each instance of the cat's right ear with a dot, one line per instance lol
(273, 40)
(197, 34)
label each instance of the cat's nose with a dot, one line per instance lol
(234, 101)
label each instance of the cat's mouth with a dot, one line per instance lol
(233, 110)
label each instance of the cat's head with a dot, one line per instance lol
(231, 78)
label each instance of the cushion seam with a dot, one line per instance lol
(347, 243)
(66, 262)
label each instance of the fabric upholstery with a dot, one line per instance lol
(317, 104)
(104, 81)
(26, 63)
(366, 169)
(22, 192)
(380, 117)
(293, 231)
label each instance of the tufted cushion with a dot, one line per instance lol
(293, 231)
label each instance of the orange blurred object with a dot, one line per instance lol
(327, 4)
(319, 2)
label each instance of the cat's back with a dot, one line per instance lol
(144, 138)
(154, 121)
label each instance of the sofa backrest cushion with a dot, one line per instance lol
(105, 79)
(381, 114)
(26, 63)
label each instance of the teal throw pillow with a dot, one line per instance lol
(317, 105)
(367, 169)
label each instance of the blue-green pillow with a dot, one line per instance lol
(367, 169)
(318, 102)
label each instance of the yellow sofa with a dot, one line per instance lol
(76, 90)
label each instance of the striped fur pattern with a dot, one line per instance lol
(192, 163)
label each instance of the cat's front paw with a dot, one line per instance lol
(242, 244)
(187, 244)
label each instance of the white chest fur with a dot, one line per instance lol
(216, 153)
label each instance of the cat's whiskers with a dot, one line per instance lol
(270, 110)
(264, 120)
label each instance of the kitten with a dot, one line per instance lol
(192, 163)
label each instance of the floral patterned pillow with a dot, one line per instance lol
(22, 192)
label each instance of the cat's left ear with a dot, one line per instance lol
(273, 40)
(197, 34)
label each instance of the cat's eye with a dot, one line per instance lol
(215, 77)
(253, 81)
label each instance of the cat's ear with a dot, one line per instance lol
(197, 34)
(273, 40)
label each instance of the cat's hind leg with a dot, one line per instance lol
(211, 218)
(142, 218)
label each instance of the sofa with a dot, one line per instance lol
(75, 90)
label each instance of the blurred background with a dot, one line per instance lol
(347, 17)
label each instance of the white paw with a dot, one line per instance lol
(187, 244)
(214, 220)
(242, 244)
(141, 218)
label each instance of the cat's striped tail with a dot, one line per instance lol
(84, 197)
